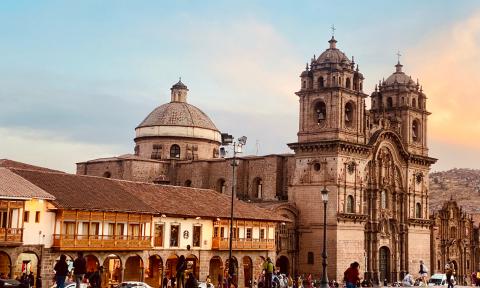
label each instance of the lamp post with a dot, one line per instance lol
(237, 148)
(324, 281)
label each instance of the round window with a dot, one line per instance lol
(316, 166)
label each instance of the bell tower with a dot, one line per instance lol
(332, 102)
(402, 101)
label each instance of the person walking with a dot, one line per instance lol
(79, 269)
(95, 279)
(61, 271)
(268, 267)
(449, 272)
(181, 267)
(423, 272)
(352, 275)
(38, 281)
(191, 281)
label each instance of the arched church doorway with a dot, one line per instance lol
(247, 271)
(5, 264)
(384, 264)
(283, 264)
(192, 265)
(216, 270)
(154, 272)
(171, 266)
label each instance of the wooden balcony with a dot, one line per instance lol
(11, 236)
(101, 242)
(243, 244)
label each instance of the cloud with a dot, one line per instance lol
(47, 150)
(448, 64)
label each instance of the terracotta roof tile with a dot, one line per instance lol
(14, 186)
(7, 163)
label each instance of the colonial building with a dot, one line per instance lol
(135, 230)
(373, 161)
(454, 239)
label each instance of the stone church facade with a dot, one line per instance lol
(373, 161)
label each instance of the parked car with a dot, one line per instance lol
(439, 280)
(10, 283)
(72, 285)
(202, 284)
(133, 284)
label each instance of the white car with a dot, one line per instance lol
(204, 285)
(439, 280)
(72, 285)
(132, 284)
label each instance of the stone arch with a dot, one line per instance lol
(27, 261)
(93, 264)
(215, 270)
(154, 271)
(171, 265)
(257, 188)
(350, 207)
(283, 264)
(112, 270)
(384, 263)
(175, 151)
(258, 266)
(416, 130)
(5, 264)
(193, 265)
(235, 269)
(221, 185)
(347, 83)
(389, 103)
(133, 268)
(107, 174)
(321, 82)
(247, 271)
(320, 111)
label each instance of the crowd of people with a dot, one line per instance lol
(79, 274)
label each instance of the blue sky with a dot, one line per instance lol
(76, 77)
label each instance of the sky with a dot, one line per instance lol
(77, 77)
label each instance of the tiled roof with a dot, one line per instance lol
(97, 193)
(12, 186)
(7, 163)
(85, 192)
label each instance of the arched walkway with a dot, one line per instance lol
(216, 270)
(171, 266)
(192, 265)
(26, 262)
(283, 264)
(154, 271)
(5, 264)
(258, 267)
(93, 264)
(112, 271)
(247, 271)
(133, 269)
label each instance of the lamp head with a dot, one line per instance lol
(325, 194)
(227, 139)
(242, 140)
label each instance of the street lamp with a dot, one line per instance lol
(228, 139)
(324, 281)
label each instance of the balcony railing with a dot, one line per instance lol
(11, 236)
(243, 244)
(101, 242)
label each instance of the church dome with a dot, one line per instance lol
(332, 55)
(178, 119)
(178, 114)
(398, 77)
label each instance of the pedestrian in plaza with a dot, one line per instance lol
(423, 272)
(352, 275)
(165, 282)
(31, 279)
(95, 278)
(79, 269)
(181, 267)
(449, 272)
(191, 281)
(408, 280)
(208, 282)
(268, 267)
(61, 271)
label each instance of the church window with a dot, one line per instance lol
(156, 151)
(419, 104)
(468, 264)
(316, 166)
(349, 114)
(188, 183)
(403, 100)
(418, 210)
(320, 112)
(175, 151)
(350, 204)
(137, 150)
(304, 84)
(354, 85)
(339, 81)
(347, 83)
(383, 199)
(258, 187)
(373, 104)
(414, 103)
(107, 174)
(310, 258)
(221, 186)
(321, 84)
(361, 86)
(389, 103)
(334, 81)
(438, 265)
(415, 130)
